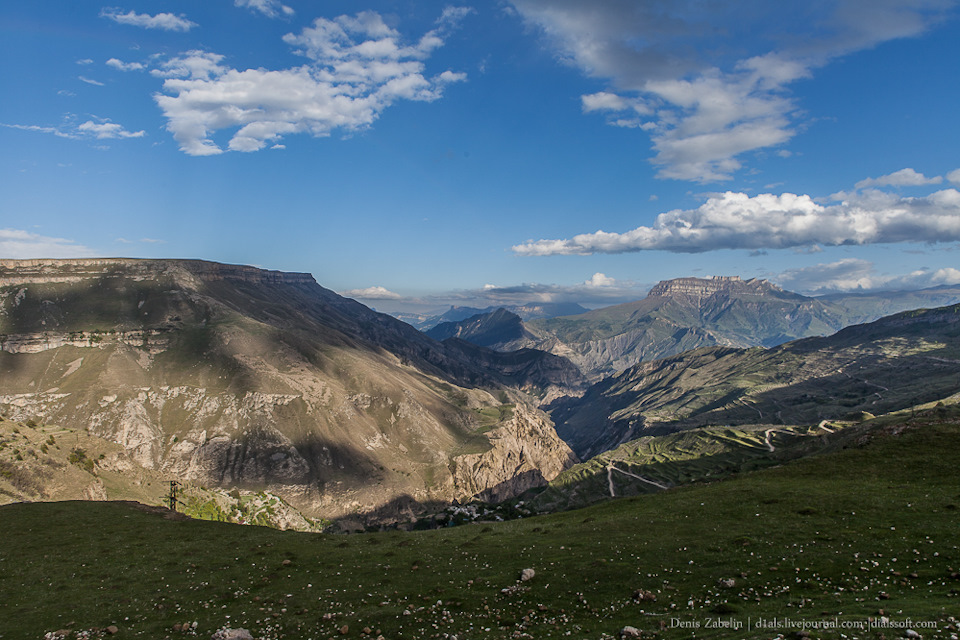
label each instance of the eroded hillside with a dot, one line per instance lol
(241, 377)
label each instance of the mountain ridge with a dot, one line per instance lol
(894, 362)
(247, 378)
(682, 314)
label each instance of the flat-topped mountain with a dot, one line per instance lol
(688, 313)
(717, 284)
(679, 315)
(241, 377)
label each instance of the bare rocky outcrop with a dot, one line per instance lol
(525, 453)
(232, 376)
(19, 272)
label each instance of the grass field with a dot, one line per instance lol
(864, 534)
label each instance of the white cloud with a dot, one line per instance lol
(358, 66)
(853, 274)
(165, 21)
(18, 244)
(598, 290)
(766, 221)
(95, 83)
(198, 65)
(269, 8)
(710, 90)
(371, 293)
(85, 61)
(954, 176)
(600, 280)
(125, 66)
(903, 178)
(39, 129)
(103, 130)
(107, 130)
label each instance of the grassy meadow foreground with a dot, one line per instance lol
(866, 535)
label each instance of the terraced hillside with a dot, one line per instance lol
(657, 463)
(895, 362)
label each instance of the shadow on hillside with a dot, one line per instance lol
(593, 485)
(403, 512)
(406, 512)
(875, 384)
(878, 386)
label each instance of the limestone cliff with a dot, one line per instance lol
(525, 449)
(239, 377)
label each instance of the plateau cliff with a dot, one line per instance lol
(240, 377)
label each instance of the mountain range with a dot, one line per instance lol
(890, 364)
(234, 376)
(455, 313)
(688, 313)
(263, 390)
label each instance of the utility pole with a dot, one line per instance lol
(172, 500)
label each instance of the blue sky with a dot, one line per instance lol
(420, 154)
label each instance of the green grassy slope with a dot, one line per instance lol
(654, 463)
(828, 539)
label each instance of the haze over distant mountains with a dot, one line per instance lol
(688, 313)
(530, 311)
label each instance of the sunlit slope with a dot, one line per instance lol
(243, 378)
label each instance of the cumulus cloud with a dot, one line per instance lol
(164, 21)
(125, 66)
(708, 90)
(600, 280)
(269, 8)
(357, 67)
(954, 176)
(371, 293)
(18, 244)
(903, 178)
(107, 130)
(766, 221)
(854, 274)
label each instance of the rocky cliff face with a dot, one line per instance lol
(233, 376)
(525, 449)
(705, 287)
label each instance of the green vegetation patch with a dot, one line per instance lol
(863, 534)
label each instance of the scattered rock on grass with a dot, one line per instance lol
(642, 595)
(231, 634)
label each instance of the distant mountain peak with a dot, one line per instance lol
(710, 286)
